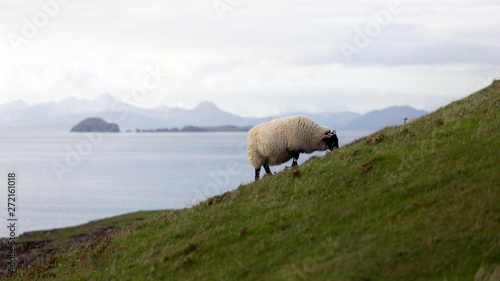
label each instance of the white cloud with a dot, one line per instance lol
(262, 58)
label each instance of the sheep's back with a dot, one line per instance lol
(274, 141)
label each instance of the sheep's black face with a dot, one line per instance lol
(332, 142)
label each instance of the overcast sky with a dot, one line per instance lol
(250, 57)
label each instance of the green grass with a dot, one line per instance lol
(419, 201)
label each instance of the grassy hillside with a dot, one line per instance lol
(414, 202)
(39, 244)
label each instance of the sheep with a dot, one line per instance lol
(275, 142)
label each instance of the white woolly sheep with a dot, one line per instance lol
(275, 142)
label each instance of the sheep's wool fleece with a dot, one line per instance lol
(273, 142)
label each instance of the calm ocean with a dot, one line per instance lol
(66, 179)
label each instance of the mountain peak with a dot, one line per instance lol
(15, 104)
(206, 106)
(377, 119)
(104, 98)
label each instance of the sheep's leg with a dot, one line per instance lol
(257, 173)
(268, 171)
(295, 158)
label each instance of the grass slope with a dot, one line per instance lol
(412, 202)
(35, 244)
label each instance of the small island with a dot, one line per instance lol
(227, 128)
(95, 125)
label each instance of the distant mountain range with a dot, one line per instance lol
(63, 115)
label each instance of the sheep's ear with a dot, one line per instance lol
(334, 132)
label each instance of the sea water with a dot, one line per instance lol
(66, 179)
